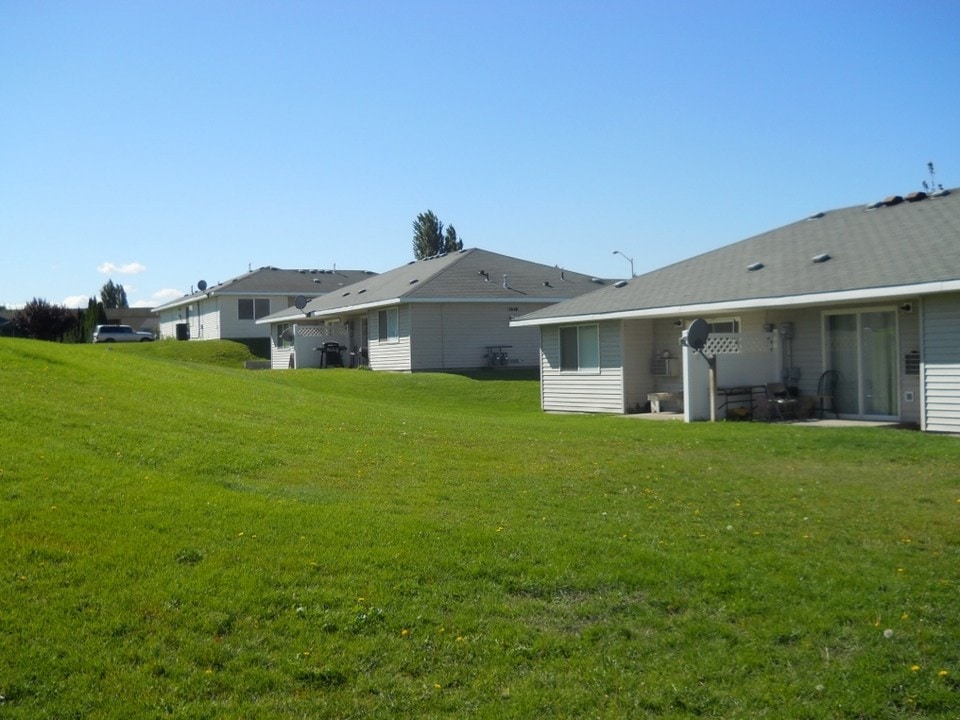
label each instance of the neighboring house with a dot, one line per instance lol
(450, 312)
(872, 293)
(142, 319)
(230, 310)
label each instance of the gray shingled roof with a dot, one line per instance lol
(471, 275)
(871, 250)
(268, 281)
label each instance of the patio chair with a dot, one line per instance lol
(780, 403)
(827, 392)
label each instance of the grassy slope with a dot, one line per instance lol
(185, 538)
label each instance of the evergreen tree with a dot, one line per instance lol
(429, 238)
(94, 315)
(113, 295)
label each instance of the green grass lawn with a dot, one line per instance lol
(183, 538)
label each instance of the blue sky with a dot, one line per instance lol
(160, 143)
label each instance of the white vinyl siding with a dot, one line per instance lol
(230, 324)
(390, 354)
(940, 367)
(456, 336)
(638, 349)
(598, 391)
(209, 320)
(201, 316)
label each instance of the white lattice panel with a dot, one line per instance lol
(314, 331)
(723, 344)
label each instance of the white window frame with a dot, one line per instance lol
(716, 323)
(388, 325)
(259, 308)
(587, 339)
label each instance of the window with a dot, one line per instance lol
(252, 309)
(580, 347)
(388, 321)
(729, 326)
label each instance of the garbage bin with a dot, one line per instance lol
(183, 331)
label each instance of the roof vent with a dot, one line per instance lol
(345, 294)
(620, 283)
(892, 200)
(317, 280)
(875, 205)
(816, 216)
(821, 258)
(415, 280)
(546, 283)
(940, 193)
(598, 281)
(916, 196)
(362, 291)
(754, 267)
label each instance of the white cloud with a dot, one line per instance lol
(167, 294)
(76, 301)
(127, 269)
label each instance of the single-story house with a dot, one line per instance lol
(230, 310)
(871, 293)
(143, 319)
(448, 312)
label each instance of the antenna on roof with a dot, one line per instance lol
(933, 180)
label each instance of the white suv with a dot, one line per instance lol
(119, 333)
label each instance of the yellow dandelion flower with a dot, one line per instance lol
(404, 632)
(943, 673)
(915, 668)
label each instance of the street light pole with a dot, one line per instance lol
(632, 273)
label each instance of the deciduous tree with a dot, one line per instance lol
(40, 320)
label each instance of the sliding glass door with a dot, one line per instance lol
(862, 348)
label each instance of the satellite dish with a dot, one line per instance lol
(300, 302)
(697, 334)
(202, 285)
